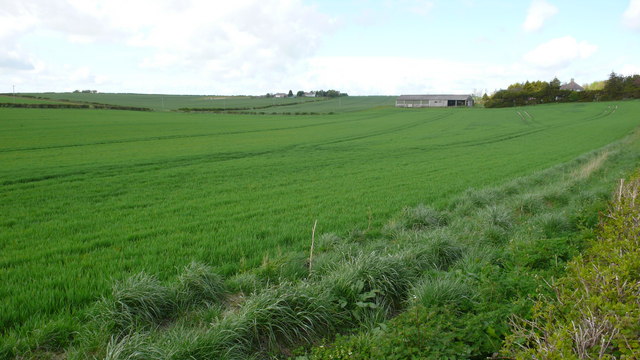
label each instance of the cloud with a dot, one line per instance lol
(629, 69)
(403, 75)
(15, 63)
(539, 12)
(631, 16)
(216, 39)
(559, 53)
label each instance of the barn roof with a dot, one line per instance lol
(571, 86)
(434, 97)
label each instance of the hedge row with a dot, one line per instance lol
(73, 106)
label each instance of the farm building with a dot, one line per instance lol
(434, 100)
(571, 86)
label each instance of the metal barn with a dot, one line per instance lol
(418, 101)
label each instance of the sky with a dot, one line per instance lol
(361, 47)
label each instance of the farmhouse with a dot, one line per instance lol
(571, 86)
(434, 100)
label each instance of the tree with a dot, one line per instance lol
(290, 93)
(614, 86)
(300, 93)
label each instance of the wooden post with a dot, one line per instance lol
(313, 240)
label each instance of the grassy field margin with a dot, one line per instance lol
(594, 311)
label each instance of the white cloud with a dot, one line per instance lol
(215, 39)
(559, 53)
(402, 75)
(629, 69)
(13, 60)
(539, 12)
(421, 7)
(631, 16)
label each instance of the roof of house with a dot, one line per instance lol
(571, 86)
(434, 97)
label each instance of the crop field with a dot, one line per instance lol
(93, 196)
(336, 105)
(25, 100)
(173, 102)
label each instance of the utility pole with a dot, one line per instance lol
(14, 93)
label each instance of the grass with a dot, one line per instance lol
(593, 311)
(10, 99)
(159, 102)
(463, 310)
(91, 197)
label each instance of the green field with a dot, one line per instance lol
(89, 196)
(173, 102)
(25, 100)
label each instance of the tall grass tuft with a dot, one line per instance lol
(498, 215)
(217, 341)
(438, 250)
(246, 283)
(285, 316)
(139, 301)
(443, 288)
(553, 224)
(134, 346)
(370, 283)
(423, 217)
(198, 285)
(529, 204)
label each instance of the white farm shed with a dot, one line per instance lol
(412, 101)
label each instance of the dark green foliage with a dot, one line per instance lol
(617, 87)
(546, 254)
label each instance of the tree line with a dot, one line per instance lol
(616, 87)
(318, 93)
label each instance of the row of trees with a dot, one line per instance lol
(330, 93)
(318, 93)
(617, 87)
